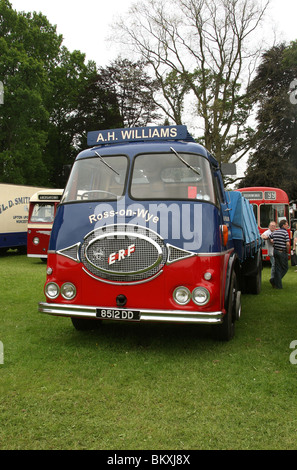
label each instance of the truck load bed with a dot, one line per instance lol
(245, 232)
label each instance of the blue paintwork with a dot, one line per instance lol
(75, 218)
(77, 222)
(13, 239)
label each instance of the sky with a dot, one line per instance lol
(85, 25)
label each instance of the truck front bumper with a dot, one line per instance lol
(171, 316)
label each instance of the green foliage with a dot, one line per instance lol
(51, 99)
(144, 386)
(25, 42)
(134, 90)
(274, 161)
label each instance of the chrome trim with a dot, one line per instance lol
(187, 290)
(201, 304)
(44, 232)
(134, 226)
(74, 290)
(62, 252)
(58, 289)
(125, 234)
(172, 316)
(121, 283)
(191, 254)
(184, 253)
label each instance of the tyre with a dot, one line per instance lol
(254, 283)
(226, 330)
(253, 275)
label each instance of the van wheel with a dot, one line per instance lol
(83, 324)
(226, 330)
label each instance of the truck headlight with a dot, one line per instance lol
(68, 291)
(200, 295)
(182, 295)
(36, 240)
(52, 290)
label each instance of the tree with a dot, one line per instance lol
(205, 44)
(52, 98)
(174, 89)
(25, 42)
(274, 161)
(134, 89)
(67, 85)
(98, 108)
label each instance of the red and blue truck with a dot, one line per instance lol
(145, 232)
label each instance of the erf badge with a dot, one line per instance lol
(121, 254)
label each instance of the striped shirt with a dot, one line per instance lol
(280, 238)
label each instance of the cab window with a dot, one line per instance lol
(97, 178)
(165, 176)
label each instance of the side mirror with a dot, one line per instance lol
(228, 169)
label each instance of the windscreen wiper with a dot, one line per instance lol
(105, 163)
(184, 161)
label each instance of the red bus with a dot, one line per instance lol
(268, 204)
(42, 210)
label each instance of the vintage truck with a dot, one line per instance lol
(145, 232)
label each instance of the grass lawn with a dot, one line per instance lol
(138, 387)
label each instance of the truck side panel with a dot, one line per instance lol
(14, 209)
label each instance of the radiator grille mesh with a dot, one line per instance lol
(124, 253)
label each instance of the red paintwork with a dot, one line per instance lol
(155, 294)
(42, 247)
(42, 230)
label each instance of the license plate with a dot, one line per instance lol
(117, 314)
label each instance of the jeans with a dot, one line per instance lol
(272, 262)
(281, 267)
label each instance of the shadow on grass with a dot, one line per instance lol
(137, 337)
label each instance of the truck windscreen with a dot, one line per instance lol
(164, 176)
(95, 179)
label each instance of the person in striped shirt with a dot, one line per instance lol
(281, 245)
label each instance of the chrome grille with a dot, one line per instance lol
(176, 254)
(123, 253)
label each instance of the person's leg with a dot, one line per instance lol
(272, 262)
(277, 271)
(284, 264)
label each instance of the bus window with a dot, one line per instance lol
(43, 212)
(275, 212)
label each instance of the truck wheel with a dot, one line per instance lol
(254, 283)
(83, 324)
(226, 330)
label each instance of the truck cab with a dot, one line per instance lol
(143, 233)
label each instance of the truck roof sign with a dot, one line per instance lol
(134, 134)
